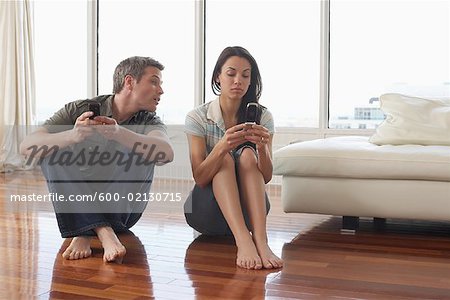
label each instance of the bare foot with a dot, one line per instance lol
(268, 258)
(247, 255)
(80, 247)
(114, 250)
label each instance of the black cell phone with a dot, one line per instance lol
(95, 108)
(251, 113)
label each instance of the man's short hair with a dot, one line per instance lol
(134, 66)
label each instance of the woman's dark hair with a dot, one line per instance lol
(254, 90)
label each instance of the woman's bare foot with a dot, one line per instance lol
(247, 255)
(268, 258)
(114, 250)
(80, 247)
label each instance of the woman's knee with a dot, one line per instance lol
(228, 160)
(228, 163)
(247, 160)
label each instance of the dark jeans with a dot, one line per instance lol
(202, 211)
(80, 218)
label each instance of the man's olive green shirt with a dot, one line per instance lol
(141, 122)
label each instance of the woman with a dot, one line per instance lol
(231, 161)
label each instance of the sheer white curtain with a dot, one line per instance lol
(17, 82)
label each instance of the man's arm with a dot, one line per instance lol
(155, 145)
(42, 139)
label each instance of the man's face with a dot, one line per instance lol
(148, 90)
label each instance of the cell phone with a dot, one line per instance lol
(95, 108)
(251, 113)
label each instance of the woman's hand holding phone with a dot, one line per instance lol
(234, 136)
(257, 134)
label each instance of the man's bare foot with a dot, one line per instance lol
(114, 250)
(268, 258)
(247, 255)
(80, 247)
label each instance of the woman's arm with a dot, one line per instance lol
(260, 136)
(265, 159)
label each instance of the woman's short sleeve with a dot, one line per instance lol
(267, 121)
(194, 124)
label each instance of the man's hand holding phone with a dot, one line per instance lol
(94, 107)
(82, 128)
(108, 127)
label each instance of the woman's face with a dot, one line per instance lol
(234, 77)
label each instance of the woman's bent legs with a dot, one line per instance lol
(251, 183)
(226, 193)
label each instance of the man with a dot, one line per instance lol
(109, 157)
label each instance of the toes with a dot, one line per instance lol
(276, 262)
(246, 264)
(75, 255)
(66, 254)
(110, 256)
(242, 264)
(85, 254)
(267, 264)
(258, 266)
(239, 264)
(252, 264)
(72, 255)
(114, 254)
(280, 263)
(249, 263)
(79, 248)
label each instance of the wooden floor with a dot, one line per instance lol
(164, 261)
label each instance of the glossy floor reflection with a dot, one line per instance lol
(165, 260)
(210, 266)
(94, 278)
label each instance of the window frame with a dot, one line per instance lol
(285, 133)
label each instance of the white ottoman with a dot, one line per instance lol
(348, 176)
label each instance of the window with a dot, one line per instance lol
(375, 47)
(60, 54)
(284, 38)
(163, 30)
(378, 47)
